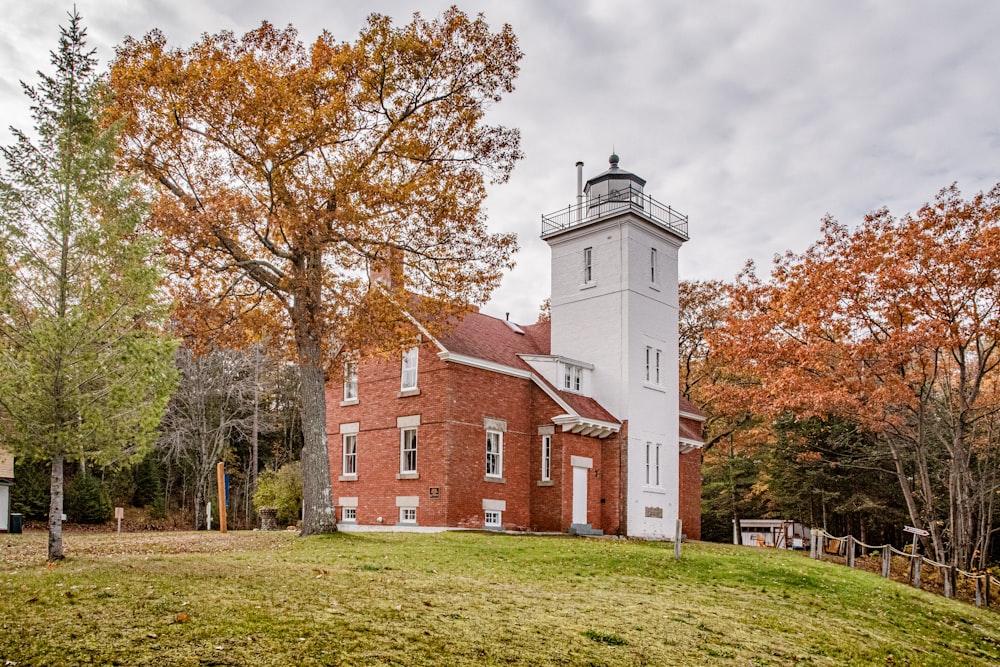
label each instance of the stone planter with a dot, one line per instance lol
(268, 518)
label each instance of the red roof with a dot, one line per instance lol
(492, 339)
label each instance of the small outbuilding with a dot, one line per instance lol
(770, 533)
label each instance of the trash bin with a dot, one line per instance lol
(15, 523)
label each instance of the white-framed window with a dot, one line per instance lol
(408, 450)
(656, 464)
(351, 381)
(494, 454)
(350, 466)
(572, 377)
(652, 265)
(409, 374)
(407, 514)
(588, 265)
(654, 358)
(546, 458)
(493, 519)
(649, 447)
(349, 514)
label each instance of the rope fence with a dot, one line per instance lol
(951, 581)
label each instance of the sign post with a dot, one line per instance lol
(119, 514)
(914, 558)
(221, 478)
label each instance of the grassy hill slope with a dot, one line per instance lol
(461, 599)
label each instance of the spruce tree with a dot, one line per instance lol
(85, 370)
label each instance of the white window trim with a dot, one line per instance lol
(410, 365)
(344, 455)
(546, 458)
(349, 514)
(498, 454)
(588, 266)
(496, 515)
(403, 519)
(350, 382)
(649, 446)
(654, 274)
(657, 462)
(403, 470)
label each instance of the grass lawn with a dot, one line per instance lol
(461, 599)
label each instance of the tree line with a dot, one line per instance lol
(855, 388)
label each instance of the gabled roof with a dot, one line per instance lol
(497, 342)
(493, 340)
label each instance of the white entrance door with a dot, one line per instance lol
(580, 495)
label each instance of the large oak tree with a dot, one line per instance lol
(288, 172)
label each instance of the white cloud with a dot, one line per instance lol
(754, 118)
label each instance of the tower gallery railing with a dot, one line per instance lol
(617, 201)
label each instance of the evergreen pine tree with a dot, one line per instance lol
(85, 370)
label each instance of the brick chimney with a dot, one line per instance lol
(387, 268)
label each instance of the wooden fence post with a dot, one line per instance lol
(850, 551)
(948, 574)
(979, 594)
(916, 561)
(677, 540)
(886, 561)
(986, 598)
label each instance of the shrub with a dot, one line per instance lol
(87, 501)
(30, 494)
(281, 490)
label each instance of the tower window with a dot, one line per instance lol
(652, 265)
(588, 265)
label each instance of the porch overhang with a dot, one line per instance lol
(589, 427)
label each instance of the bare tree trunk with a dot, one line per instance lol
(56, 509)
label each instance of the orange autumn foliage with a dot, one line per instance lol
(289, 174)
(894, 326)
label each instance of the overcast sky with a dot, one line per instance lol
(753, 118)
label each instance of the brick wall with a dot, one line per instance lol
(690, 493)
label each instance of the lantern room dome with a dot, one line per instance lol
(615, 183)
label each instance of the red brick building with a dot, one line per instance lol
(464, 432)
(573, 425)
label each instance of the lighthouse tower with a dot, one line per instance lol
(614, 309)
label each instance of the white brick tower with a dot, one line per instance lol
(614, 309)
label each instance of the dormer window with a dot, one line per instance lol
(409, 373)
(588, 265)
(572, 377)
